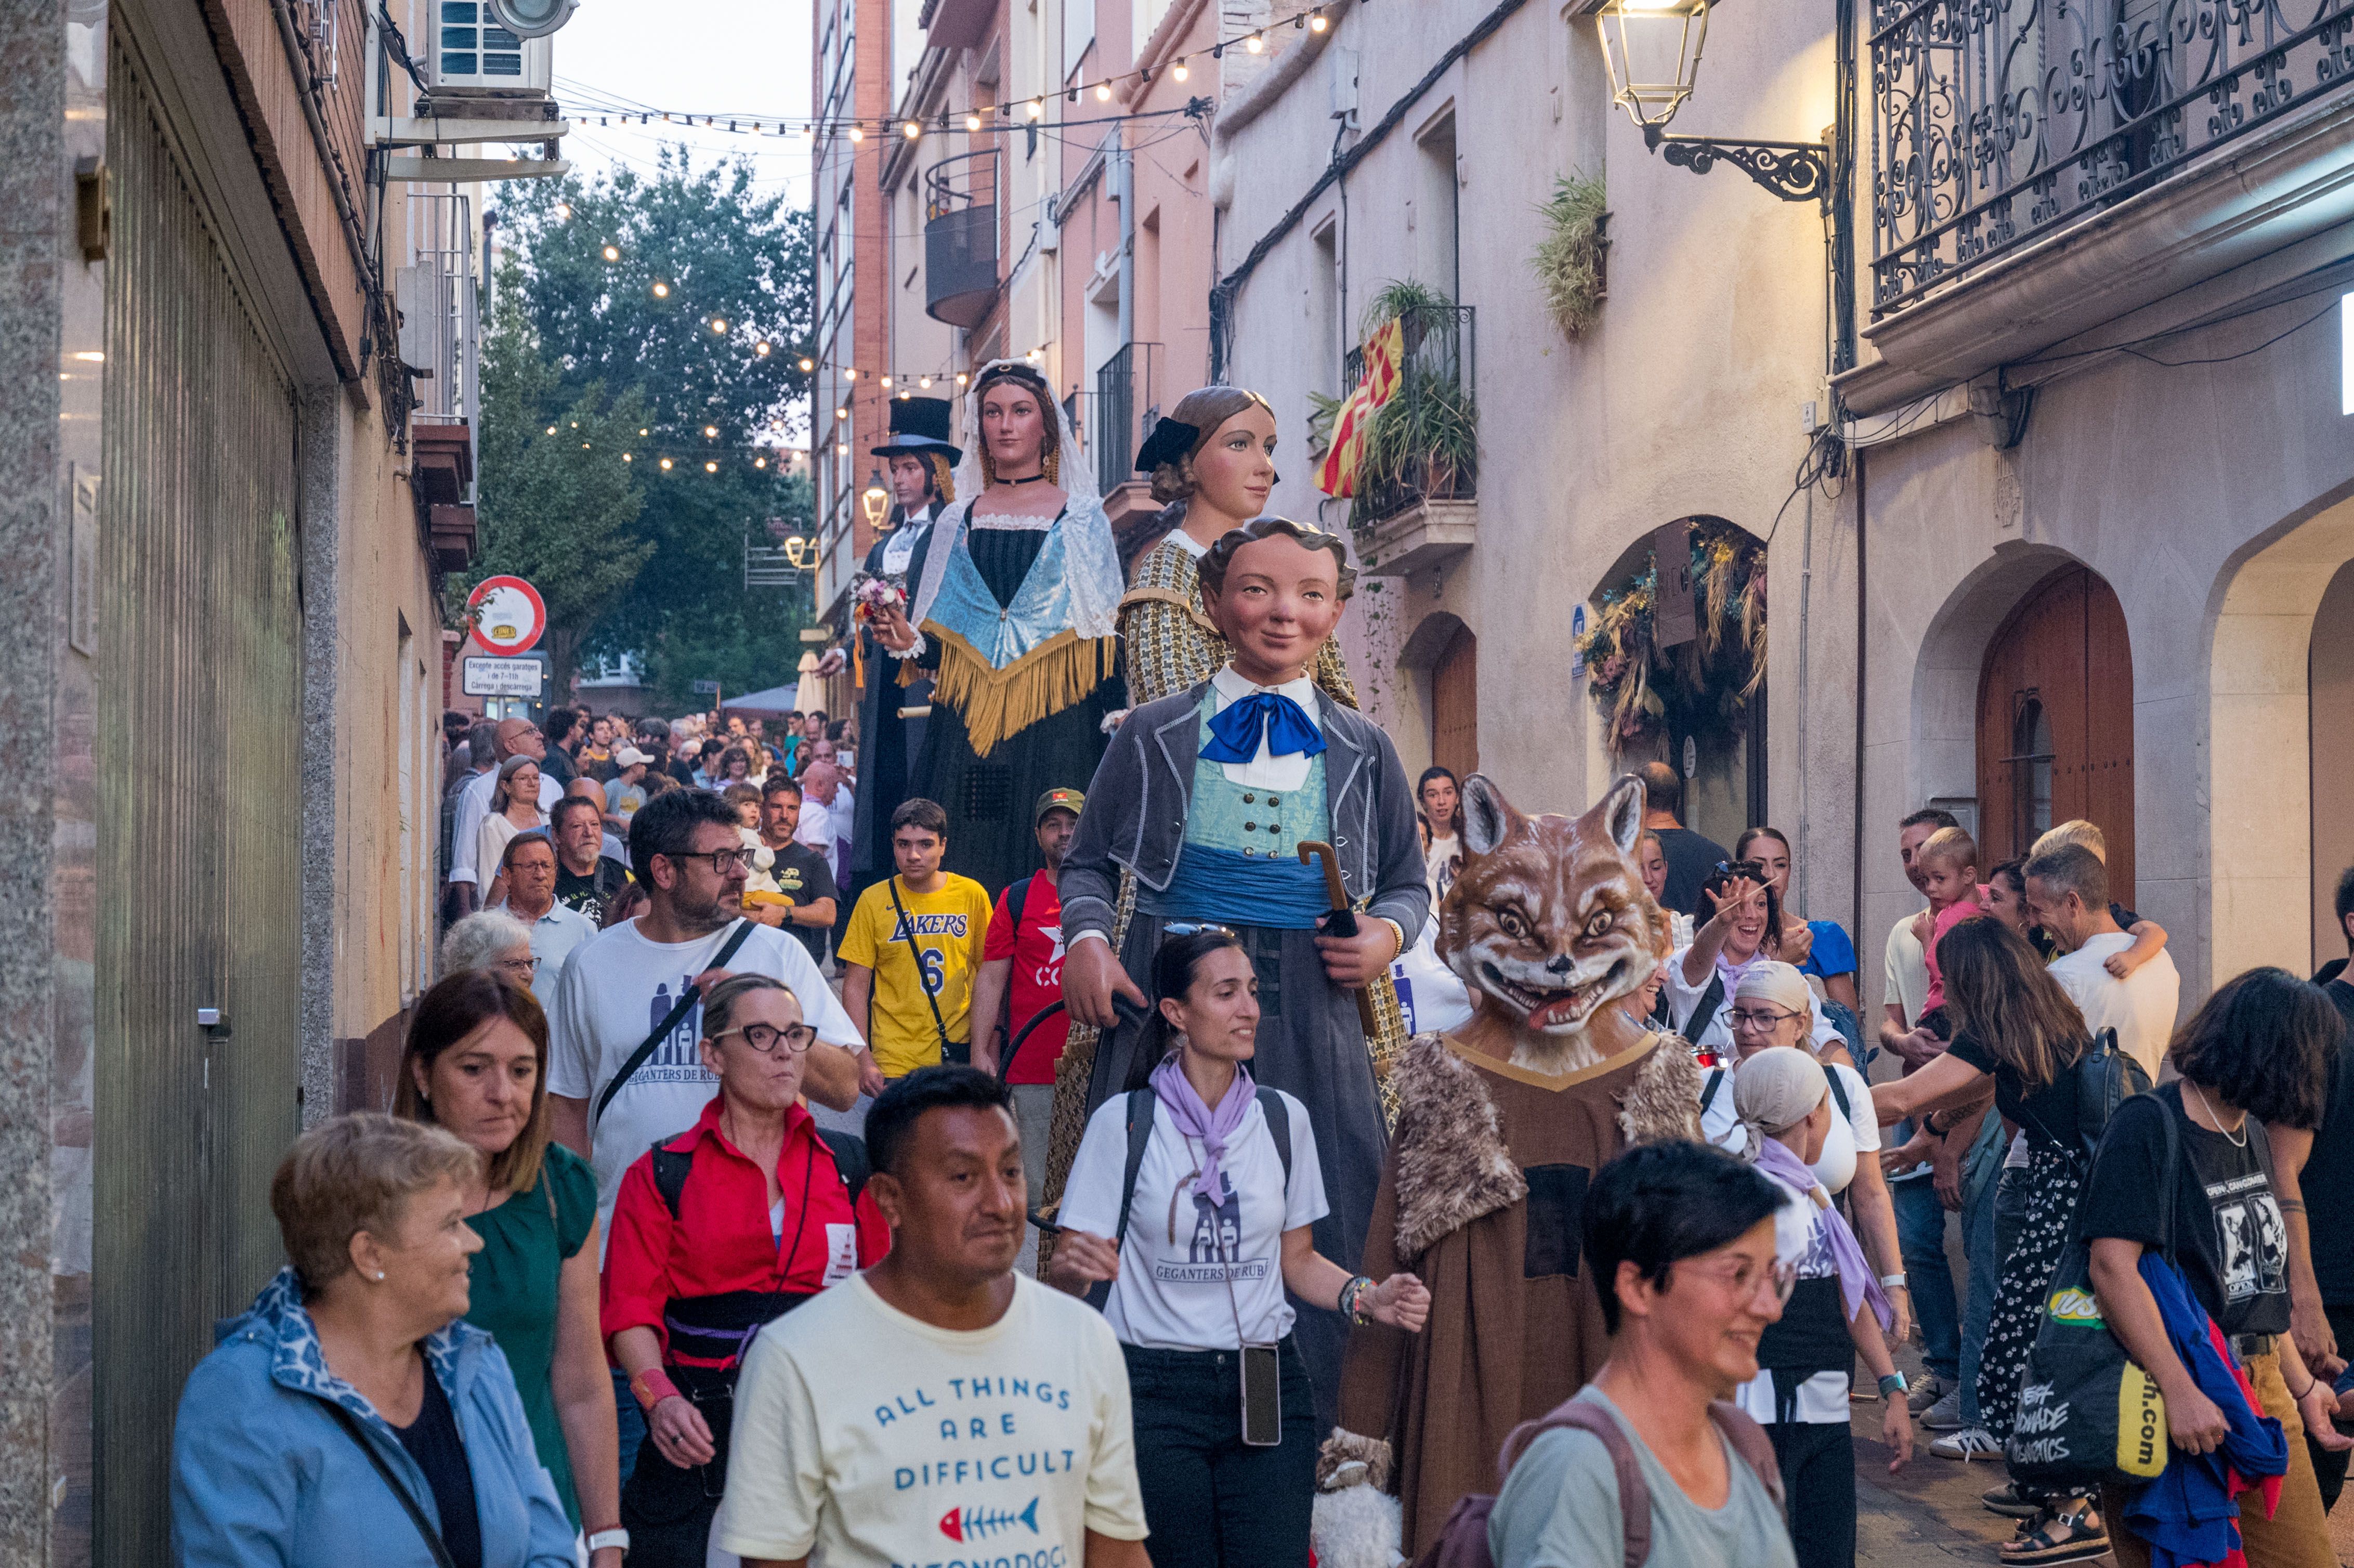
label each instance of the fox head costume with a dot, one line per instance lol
(1549, 923)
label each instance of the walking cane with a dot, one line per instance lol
(1340, 921)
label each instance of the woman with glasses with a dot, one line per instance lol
(1220, 1193)
(489, 939)
(513, 808)
(1834, 1311)
(476, 1066)
(1773, 1006)
(716, 1231)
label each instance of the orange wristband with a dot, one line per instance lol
(652, 1387)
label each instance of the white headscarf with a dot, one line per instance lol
(1090, 558)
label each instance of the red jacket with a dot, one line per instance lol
(721, 1240)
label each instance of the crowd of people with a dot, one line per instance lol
(1009, 1152)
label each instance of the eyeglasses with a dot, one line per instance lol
(1743, 1278)
(722, 861)
(525, 967)
(763, 1037)
(1199, 927)
(1755, 1017)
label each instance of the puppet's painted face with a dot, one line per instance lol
(1549, 917)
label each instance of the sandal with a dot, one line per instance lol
(2057, 1537)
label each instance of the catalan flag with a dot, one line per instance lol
(1336, 474)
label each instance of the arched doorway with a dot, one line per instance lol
(2055, 723)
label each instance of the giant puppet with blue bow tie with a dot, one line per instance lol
(1204, 800)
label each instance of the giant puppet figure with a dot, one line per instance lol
(1014, 594)
(921, 461)
(1501, 1123)
(1198, 814)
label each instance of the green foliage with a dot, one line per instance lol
(1568, 259)
(561, 511)
(1424, 439)
(724, 251)
(1399, 297)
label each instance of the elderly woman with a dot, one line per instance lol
(1773, 1005)
(723, 1228)
(1835, 1313)
(476, 1064)
(515, 808)
(489, 939)
(352, 1413)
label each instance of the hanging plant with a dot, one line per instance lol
(1424, 439)
(1699, 687)
(1568, 259)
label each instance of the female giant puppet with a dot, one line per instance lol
(1014, 596)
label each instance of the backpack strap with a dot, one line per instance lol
(1708, 1092)
(849, 1152)
(690, 997)
(1634, 1494)
(1749, 1440)
(670, 1172)
(1278, 1128)
(1704, 1013)
(1839, 1090)
(1140, 1137)
(1017, 897)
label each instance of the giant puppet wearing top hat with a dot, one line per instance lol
(922, 464)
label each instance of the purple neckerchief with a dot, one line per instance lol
(1858, 1283)
(1732, 971)
(1194, 1119)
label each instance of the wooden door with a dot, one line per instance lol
(1455, 705)
(2055, 724)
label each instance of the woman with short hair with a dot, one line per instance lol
(351, 1412)
(489, 939)
(716, 1232)
(476, 1064)
(1216, 1232)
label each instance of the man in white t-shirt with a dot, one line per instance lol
(2068, 896)
(623, 982)
(939, 1407)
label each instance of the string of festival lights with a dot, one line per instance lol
(977, 118)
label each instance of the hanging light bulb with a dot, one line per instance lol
(643, 431)
(1316, 22)
(719, 324)
(710, 432)
(626, 458)
(665, 464)
(886, 381)
(924, 382)
(1180, 70)
(904, 395)
(613, 253)
(851, 374)
(960, 377)
(661, 290)
(551, 429)
(761, 349)
(842, 413)
(912, 128)
(711, 468)
(858, 133)
(841, 449)
(1036, 108)
(808, 365)
(972, 122)
(759, 463)
(564, 211)
(1255, 44)
(1103, 92)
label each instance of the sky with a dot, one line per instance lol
(749, 58)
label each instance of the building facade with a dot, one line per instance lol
(228, 502)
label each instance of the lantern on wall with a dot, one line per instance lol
(1651, 49)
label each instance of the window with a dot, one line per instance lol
(2031, 755)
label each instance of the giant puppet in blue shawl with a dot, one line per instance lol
(1013, 596)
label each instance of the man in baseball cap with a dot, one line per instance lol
(1020, 972)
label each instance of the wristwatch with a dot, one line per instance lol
(616, 1536)
(1891, 1385)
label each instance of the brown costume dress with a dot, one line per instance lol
(1481, 1197)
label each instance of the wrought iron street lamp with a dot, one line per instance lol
(1651, 49)
(876, 500)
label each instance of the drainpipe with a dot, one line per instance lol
(1123, 165)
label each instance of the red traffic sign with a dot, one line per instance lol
(509, 615)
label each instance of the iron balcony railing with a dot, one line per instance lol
(1995, 122)
(1423, 443)
(960, 237)
(1127, 381)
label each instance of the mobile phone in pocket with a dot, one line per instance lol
(1262, 1396)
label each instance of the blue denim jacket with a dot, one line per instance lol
(263, 1473)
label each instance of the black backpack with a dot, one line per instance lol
(849, 1152)
(2104, 1076)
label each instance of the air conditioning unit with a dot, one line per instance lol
(473, 54)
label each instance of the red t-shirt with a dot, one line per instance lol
(1036, 950)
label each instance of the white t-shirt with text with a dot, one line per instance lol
(1182, 1250)
(616, 986)
(866, 1438)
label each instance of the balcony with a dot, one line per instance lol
(1417, 484)
(2165, 145)
(1128, 404)
(960, 237)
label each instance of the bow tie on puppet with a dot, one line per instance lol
(1235, 734)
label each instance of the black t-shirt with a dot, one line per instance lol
(557, 764)
(1689, 858)
(2330, 971)
(2329, 1169)
(591, 893)
(2230, 1238)
(2048, 1113)
(432, 1441)
(803, 876)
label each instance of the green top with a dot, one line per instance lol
(1256, 821)
(525, 1242)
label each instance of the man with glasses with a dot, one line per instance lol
(1679, 1241)
(512, 738)
(529, 864)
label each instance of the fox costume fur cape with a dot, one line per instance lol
(1499, 1128)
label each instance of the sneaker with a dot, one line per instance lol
(2010, 1501)
(1945, 1415)
(1924, 1394)
(1968, 1442)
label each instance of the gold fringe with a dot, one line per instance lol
(1057, 673)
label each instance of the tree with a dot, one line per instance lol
(700, 312)
(559, 500)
